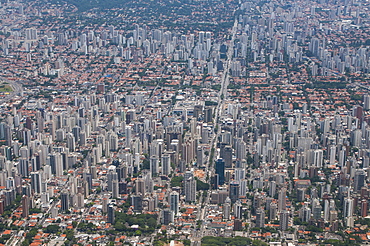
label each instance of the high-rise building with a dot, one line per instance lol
(166, 164)
(364, 207)
(23, 167)
(366, 102)
(7, 135)
(198, 111)
(238, 225)
(228, 156)
(36, 182)
(238, 210)
(154, 165)
(56, 163)
(111, 176)
(111, 217)
(226, 207)
(273, 211)
(318, 158)
(31, 34)
(220, 171)
(301, 193)
(282, 199)
(348, 207)
(305, 214)
(260, 218)
(358, 113)
(64, 201)
(356, 138)
(239, 174)
(359, 179)
(151, 204)
(284, 220)
(115, 189)
(122, 187)
(167, 216)
(272, 188)
(208, 114)
(243, 188)
(190, 189)
(234, 191)
(240, 150)
(332, 154)
(174, 202)
(71, 142)
(26, 190)
(80, 201)
(137, 202)
(140, 186)
(25, 206)
(316, 210)
(326, 210)
(104, 205)
(121, 172)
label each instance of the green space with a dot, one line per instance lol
(123, 222)
(5, 88)
(236, 241)
(177, 181)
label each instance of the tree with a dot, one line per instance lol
(177, 181)
(120, 227)
(237, 241)
(202, 185)
(52, 229)
(258, 243)
(146, 164)
(70, 235)
(31, 234)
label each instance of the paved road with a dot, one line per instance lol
(209, 170)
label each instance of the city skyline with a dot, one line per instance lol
(184, 122)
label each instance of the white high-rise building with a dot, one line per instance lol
(366, 102)
(166, 164)
(56, 164)
(348, 207)
(71, 143)
(190, 189)
(31, 34)
(128, 135)
(318, 158)
(332, 154)
(239, 174)
(226, 208)
(326, 210)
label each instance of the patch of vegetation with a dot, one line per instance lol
(146, 222)
(5, 88)
(236, 241)
(210, 103)
(202, 185)
(327, 85)
(177, 181)
(52, 229)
